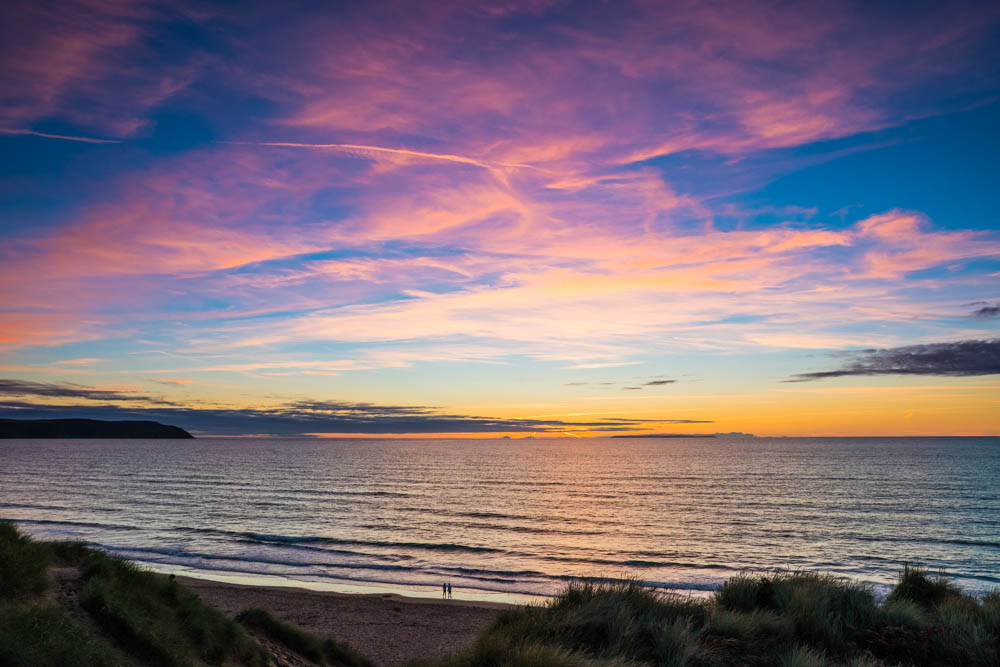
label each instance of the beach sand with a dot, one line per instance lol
(387, 628)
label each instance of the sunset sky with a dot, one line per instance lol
(502, 217)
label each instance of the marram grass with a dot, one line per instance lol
(159, 621)
(793, 619)
(140, 618)
(796, 620)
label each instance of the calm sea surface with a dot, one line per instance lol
(516, 518)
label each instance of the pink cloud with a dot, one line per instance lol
(900, 242)
(629, 85)
(600, 309)
(75, 61)
(82, 361)
(589, 267)
(479, 176)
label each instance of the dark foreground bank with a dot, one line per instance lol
(64, 604)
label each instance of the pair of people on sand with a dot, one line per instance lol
(446, 590)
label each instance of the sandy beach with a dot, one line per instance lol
(387, 628)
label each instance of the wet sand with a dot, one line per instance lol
(387, 628)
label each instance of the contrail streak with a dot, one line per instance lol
(362, 149)
(86, 140)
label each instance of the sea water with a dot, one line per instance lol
(515, 519)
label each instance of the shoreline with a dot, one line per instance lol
(387, 627)
(196, 583)
(65, 603)
(343, 587)
(408, 592)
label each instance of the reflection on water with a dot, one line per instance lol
(518, 517)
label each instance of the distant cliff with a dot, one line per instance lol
(87, 428)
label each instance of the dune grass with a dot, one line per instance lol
(141, 615)
(159, 621)
(24, 564)
(792, 619)
(33, 635)
(788, 619)
(915, 586)
(318, 650)
(33, 631)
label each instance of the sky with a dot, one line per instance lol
(502, 218)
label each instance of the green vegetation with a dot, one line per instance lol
(915, 586)
(23, 564)
(321, 651)
(118, 614)
(793, 620)
(113, 613)
(158, 621)
(46, 635)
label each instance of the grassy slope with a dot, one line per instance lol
(139, 617)
(795, 620)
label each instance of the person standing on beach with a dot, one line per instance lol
(444, 590)
(449, 590)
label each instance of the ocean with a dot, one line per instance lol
(517, 519)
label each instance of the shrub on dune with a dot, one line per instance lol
(746, 592)
(991, 611)
(677, 644)
(916, 586)
(801, 656)
(905, 614)
(963, 636)
(825, 611)
(749, 625)
(623, 618)
(822, 610)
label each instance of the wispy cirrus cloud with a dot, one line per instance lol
(413, 79)
(90, 64)
(385, 189)
(80, 361)
(514, 272)
(718, 57)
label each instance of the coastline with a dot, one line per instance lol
(65, 603)
(389, 628)
(345, 587)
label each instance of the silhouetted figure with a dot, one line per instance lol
(449, 590)
(444, 590)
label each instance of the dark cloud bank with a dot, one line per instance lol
(986, 311)
(960, 358)
(27, 388)
(292, 418)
